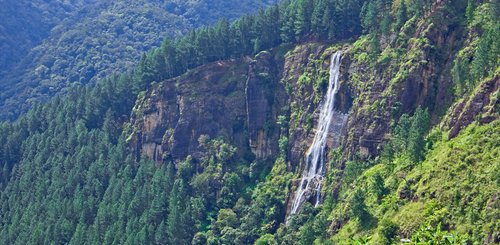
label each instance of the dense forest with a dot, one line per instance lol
(57, 44)
(25, 24)
(70, 173)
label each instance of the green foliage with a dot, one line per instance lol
(430, 235)
(374, 46)
(409, 134)
(369, 15)
(377, 186)
(283, 146)
(481, 57)
(68, 177)
(453, 186)
(26, 24)
(402, 15)
(486, 58)
(469, 11)
(267, 206)
(267, 239)
(357, 205)
(419, 7)
(376, 16)
(387, 231)
(92, 40)
(179, 224)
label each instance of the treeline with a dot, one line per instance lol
(68, 177)
(90, 41)
(288, 22)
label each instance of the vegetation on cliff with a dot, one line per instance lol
(70, 173)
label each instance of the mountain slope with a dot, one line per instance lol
(26, 24)
(92, 40)
(209, 148)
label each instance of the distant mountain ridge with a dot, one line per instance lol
(62, 43)
(26, 23)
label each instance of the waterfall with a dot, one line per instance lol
(314, 170)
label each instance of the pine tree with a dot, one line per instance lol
(317, 25)
(401, 16)
(179, 225)
(369, 16)
(417, 7)
(158, 204)
(303, 18)
(328, 21)
(377, 186)
(358, 206)
(401, 133)
(374, 45)
(161, 236)
(385, 24)
(469, 11)
(5, 174)
(288, 24)
(479, 66)
(416, 135)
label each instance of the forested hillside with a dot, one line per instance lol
(205, 140)
(52, 45)
(26, 23)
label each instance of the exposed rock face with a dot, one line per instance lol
(241, 99)
(385, 91)
(483, 103)
(301, 99)
(264, 95)
(233, 99)
(172, 116)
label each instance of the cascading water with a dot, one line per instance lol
(313, 173)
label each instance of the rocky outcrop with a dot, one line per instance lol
(412, 70)
(237, 100)
(482, 105)
(168, 120)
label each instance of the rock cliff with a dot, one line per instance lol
(237, 100)
(256, 101)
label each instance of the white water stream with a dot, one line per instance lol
(314, 171)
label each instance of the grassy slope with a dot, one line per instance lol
(457, 187)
